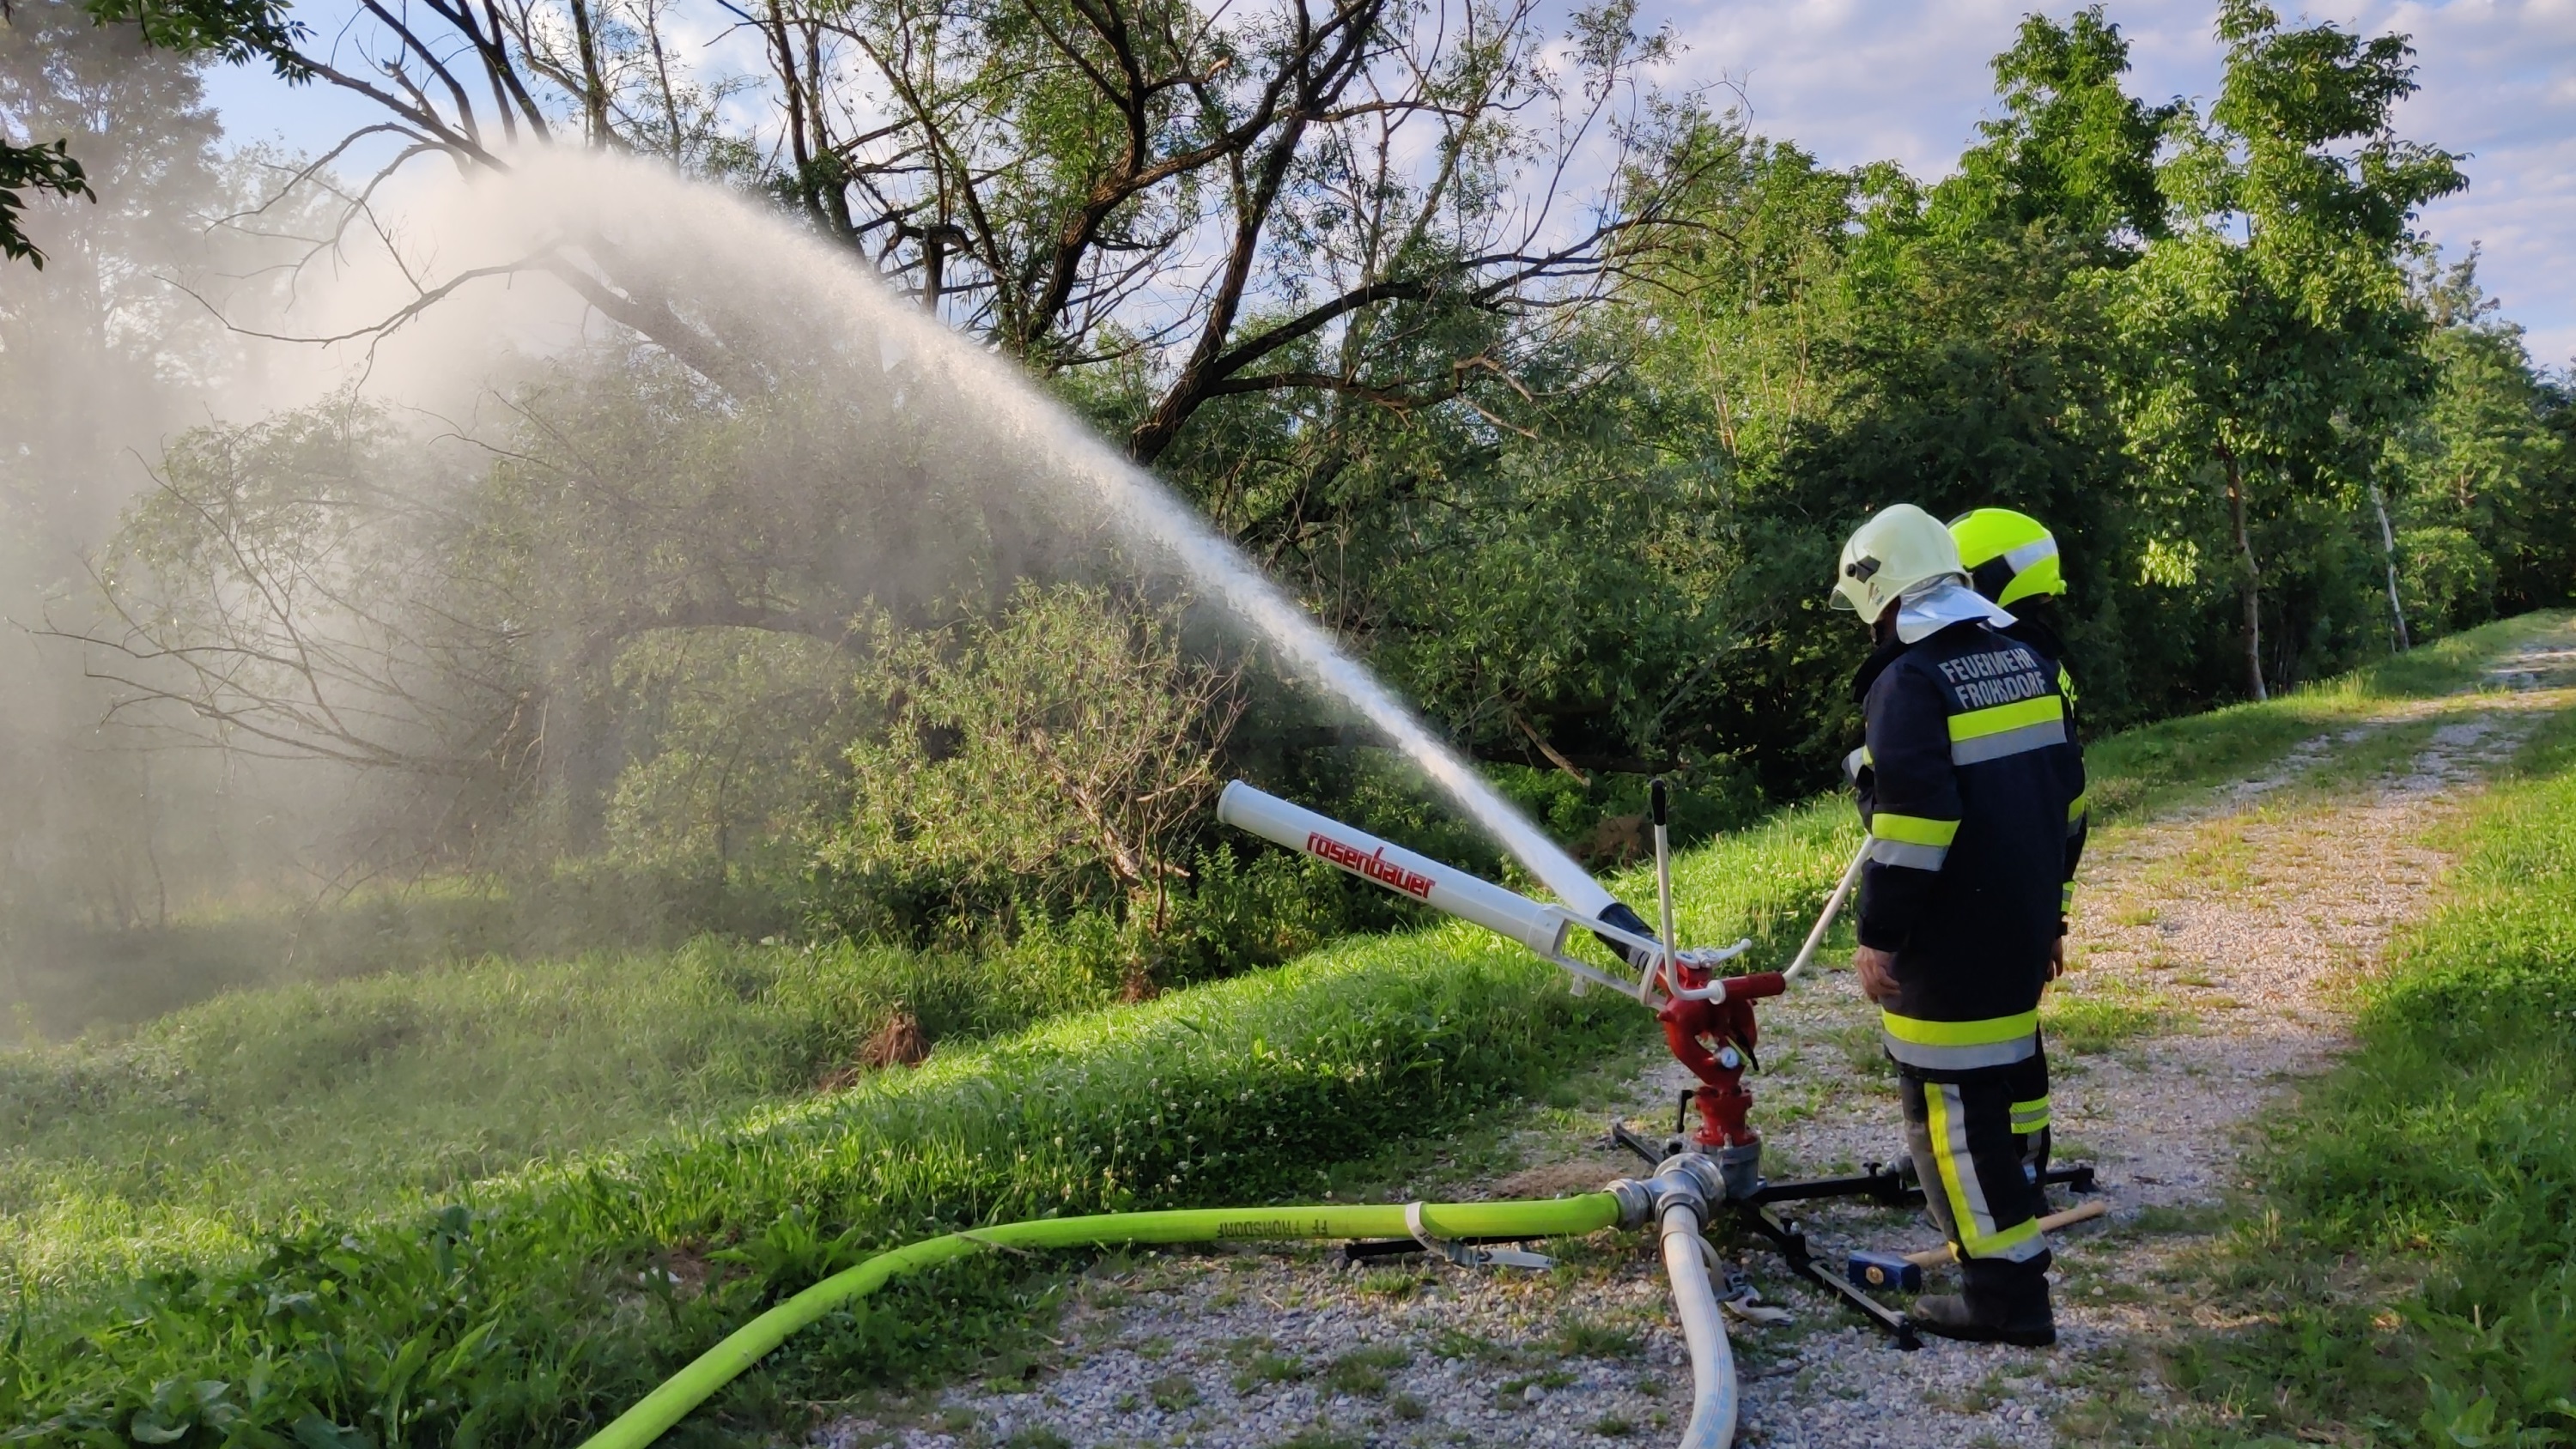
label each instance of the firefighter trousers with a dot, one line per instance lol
(2030, 1109)
(1960, 1131)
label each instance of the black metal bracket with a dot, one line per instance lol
(1882, 1183)
(2078, 1178)
(1653, 1153)
(1791, 1240)
(1885, 1184)
(1369, 1250)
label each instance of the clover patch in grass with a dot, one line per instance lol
(1583, 1338)
(1393, 1284)
(1258, 1363)
(1365, 1372)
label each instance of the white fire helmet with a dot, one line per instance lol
(1899, 548)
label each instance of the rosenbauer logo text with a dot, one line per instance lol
(1376, 867)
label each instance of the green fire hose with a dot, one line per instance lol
(718, 1366)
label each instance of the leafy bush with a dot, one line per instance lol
(2445, 578)
(733, 762)
(1059, 755)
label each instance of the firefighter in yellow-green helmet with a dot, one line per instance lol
(2012, 559)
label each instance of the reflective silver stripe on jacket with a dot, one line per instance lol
(2008, 742)
(1907, 853)
(1960, 1058)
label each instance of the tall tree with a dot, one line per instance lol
(1283, 200)
(2073, 155)
(2483, 487)
(2273, 335)
(101, 361)
(236, 30)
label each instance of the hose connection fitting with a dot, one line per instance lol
(1741, 1166)
(1636, 1201)
(1685, 1179)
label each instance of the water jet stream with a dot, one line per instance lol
(740, 270)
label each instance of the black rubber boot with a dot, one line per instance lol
(2004, 1303)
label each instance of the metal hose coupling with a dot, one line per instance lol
(1685, 1179)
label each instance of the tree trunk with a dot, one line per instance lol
(2388, 548)
(594, 88)
(2250, 588)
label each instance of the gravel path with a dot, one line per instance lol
(2211, 948)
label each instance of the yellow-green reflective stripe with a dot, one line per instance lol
(1960, 1033)
(1970, 1214)
(2076, 808)
(2029, 1117)
(2066, 896)
(1946, 1159)
(2002, 1244)
(2002, 717)
(1913, 829)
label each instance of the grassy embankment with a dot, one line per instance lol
(2408, 1270)
(276, 1165)
(294, 1175)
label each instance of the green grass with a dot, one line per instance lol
(195, 1137)
(2089, 1025)
(2410, 1265)
(1577, 1338)
(531, 1309)
(259, 1111)
(59, 978)
(1365, 1372)
(247, 1197)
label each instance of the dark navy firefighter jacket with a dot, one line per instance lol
(1972, 787)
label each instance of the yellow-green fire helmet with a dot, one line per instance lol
(2007, 555)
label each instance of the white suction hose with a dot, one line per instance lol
(1833, 907)
(1686, 1188)
(1713, 1389)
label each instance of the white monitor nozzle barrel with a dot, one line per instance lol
(1446, 888)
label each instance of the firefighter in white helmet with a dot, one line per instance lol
(1966, 776)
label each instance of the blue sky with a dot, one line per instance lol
(1860, 80)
